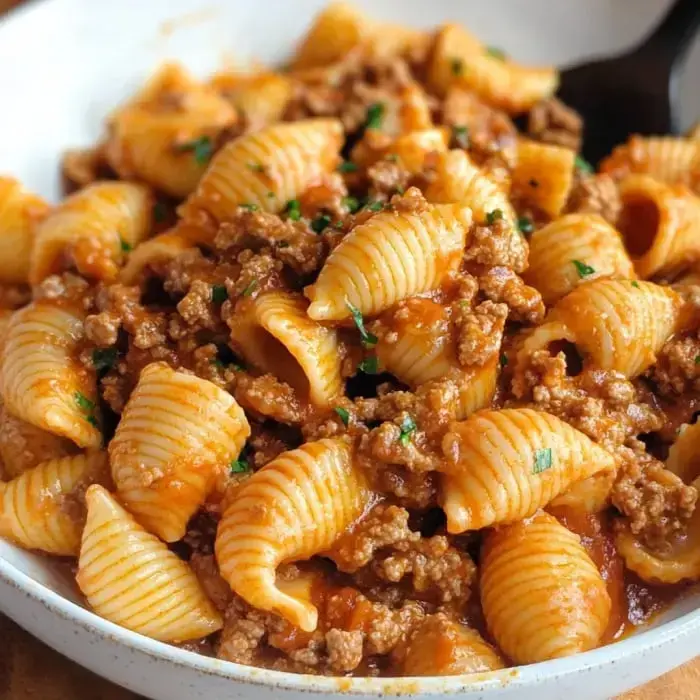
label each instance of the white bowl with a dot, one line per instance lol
(63, 65)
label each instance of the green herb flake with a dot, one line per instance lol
(283, 244)
(370, 365)
(461, 136)
(256, 167)
(104, 358)
(126, 247)
(457, 66)
(503, 360)
(320, 223)
(250, 288)
(160, 212)
(392, 158)
(239, 466)
(344, 415)
(84, 403)
(369, 340)
(583, 165)
(497, 53)
(374, 205)
(347, 166)
(249, 207)
(219, 294)
(543, 460)
(202, 148)
(352, 204)
(493, 216)
(697, 359)
(270, 195)
(375, 116)
(408, 427)
(583, 269)
(635, 284)
(294, 209)
(92, 420)
(525, 225)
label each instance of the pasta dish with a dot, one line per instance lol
(357, 367)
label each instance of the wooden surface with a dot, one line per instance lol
(32, 671)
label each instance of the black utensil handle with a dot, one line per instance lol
(673, 35)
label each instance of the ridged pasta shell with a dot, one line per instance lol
(293, 508)
(390, 257)
(503, 466)
(92, 229)
(132, 579)
(274, 334)
(684, 454)
(42, 508)
(41, 377)
(542, 596)
(556, 249)
(283, 159)
(177, 432)
(20, 213)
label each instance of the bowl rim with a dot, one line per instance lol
(636, 645)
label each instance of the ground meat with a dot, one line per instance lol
(267, 396)
(498, 244)
(391, 444)
(480, 333)
(551, 121)
(197, 308)
(65, 287)
(344, 649)
(410, 489)
(207, 571)
(387, 177)
(677, 368)
(595, 194)
(241, 635)
(656, 503)
(501, 284)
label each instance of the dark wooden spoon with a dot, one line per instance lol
(636, 93)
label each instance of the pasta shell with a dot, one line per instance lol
(390, 257)
(20, 213)
(132, 579)
(176, 434)
(92, 230)
(42, 508)
(283, 159)
(543, 598)
(274, 334)
(684, 454)
(503, 466)
(41, 378)
(294, 507)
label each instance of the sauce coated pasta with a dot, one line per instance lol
(335, 370)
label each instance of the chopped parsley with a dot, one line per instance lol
(457, 66)
(583, 165)
(104, 358)
(503, 360)
(583, 269)
(369, 340)
(495, 52)
(160, 212)
(270, 195)
(239, 466)
(375, 116)
(256, 167)
(374, 205)
(202, 148)
(408, 427)
(352, 204)
(543, 460)
(283, 244)
(344, 415)
(86, 406)
(392, 158)
(321, 222)
(294, 209)
(525, 225)
(697, 359)
(399, 190)
(250, 288)
(126, 247)
(219, 294)
(347, 166)
(249, 207)
(493, 216)
(370, 365)
(635, 284)
(461, 136)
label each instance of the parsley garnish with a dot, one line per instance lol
(283, 244)
(543, 460)
(344, 415)
(374, 205)
(126, 247)
(219, 294)
(375, 115)
(86, 406)
(503, 360)
(369, 365)
(369, 340)
(408, 427)
(400, 190)
(239, 466)
(461, 136)
(201, 147)
(256, 167)
(493, 216)
(351, 203)
(392, 158)
(294, 209)
(347, 166)
(321, 222)
(495, 52)
(270, 195)
(697, 359)
(160, 212)
(457, 66)
(635, 284)
(583, 269)
(525, 225)
(104, 358)
(249, 207)
(250, 288)
(583, 165)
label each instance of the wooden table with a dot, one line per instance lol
(60, 679)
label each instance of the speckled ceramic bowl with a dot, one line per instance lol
(63, 65)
